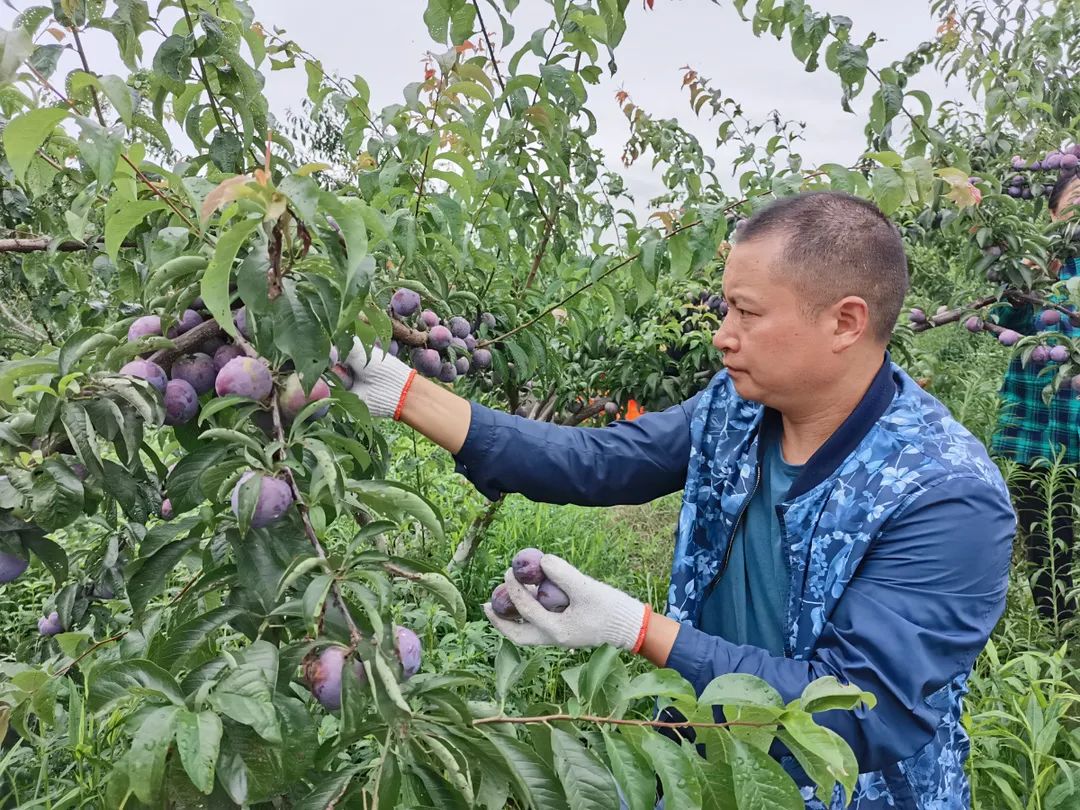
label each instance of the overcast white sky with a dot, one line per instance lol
(385, 43)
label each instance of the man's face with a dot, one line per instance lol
(775, 353)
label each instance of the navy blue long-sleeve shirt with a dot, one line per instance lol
(913, 616)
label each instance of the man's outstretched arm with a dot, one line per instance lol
(627, 462)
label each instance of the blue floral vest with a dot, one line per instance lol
(829, 522)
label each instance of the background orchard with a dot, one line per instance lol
(226, 584)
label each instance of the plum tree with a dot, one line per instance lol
(197, 369)
(409, 650)
(246, 377)
(50, 625)
(405, 302)
(181, 402)
(11, 566)
(146, 326)
(552, 597)
(274, 499)
(526, 566)
(146, 370)
(291, 398)
(502, 604)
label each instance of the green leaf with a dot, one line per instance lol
(588, 784)
(119, 95)
(227, 152)
(672, 765)
(533, 782)
(303, 192)
(100, 148)
(172, 650)
(348, 213)
(183, 485)
(173, 58)
(395, 499)
(51, 554)
(439, 586)
(888, 188)
(328, 790)
(118, 224)
(198, 740)
(759, 781)
(298, 333)
(81, 343)
(827, 693)
(214, 288)
(437, 19)
(15, 46)
(632, 772)
(824, 755)
(148, 580)
(121, 680)
(149, 746)
(57, 495)
(658, 683)
(24, 134)
(739, 689)
(246, 696)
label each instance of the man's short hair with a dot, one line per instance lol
(1064, 180)
(835, 245)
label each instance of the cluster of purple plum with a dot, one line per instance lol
(223, 369)
(1026, 187)
(323, 670)
(451, 349)
(527, 571)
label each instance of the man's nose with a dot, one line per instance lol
(723, 339)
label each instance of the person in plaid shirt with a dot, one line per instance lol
(1030, 433)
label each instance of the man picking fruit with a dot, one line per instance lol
(836, 520)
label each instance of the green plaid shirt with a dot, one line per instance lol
(1028, 429)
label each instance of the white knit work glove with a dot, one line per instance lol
(597, 614)
(383, 382)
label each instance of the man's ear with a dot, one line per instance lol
(852, 317)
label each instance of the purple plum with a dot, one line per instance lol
(1049, 317)
(275, 498)
(461, 365)
(1018, 162)
(240, 321)
(526, 566)
(50, 625)
(459, 327)
(439, 337)
(1059, 354)
(409, 650)
(1014, 191)
(405, 302)
(426, 361)
(146, 370)
(916, 315)
(470, 343)
(481, 359)
(1069, 162)
(211, 345)
(1075, 383)
(291, 398)
(1039, 355)
(11, 567)
(245, 377)
(226, 353)
(395, 348)
(428, 319)
(448, 372)
(185, 323)
(1008, 337)
(487, 319)
(197, 369)
(459, 344)
(323, 673)
(501, 603)
(145, 326)
(181, 402)
(166, 510)
(1052, 161)
(552, 597)
(343, 373)
(974, 324)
